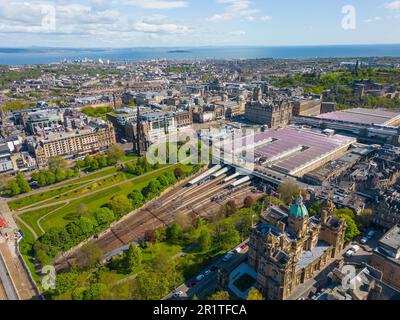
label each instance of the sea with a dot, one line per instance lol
(36, 55)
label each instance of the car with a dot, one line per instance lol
(228, 257)
(244, 246)
(238, 250)
(355, 248)
(207, 272)
(200, 277)
(371, 234)
(178, 294)
(349, 253)
(191, 284)
(364, 240)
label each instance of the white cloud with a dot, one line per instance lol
(146, 26)
(394, 5)
(157, 4)
(266, 18)
(234, 9)
(238, 33)
(372, 19)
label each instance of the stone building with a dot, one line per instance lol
(289, 247)
(70, 144)
(274, 114)
(386, 257)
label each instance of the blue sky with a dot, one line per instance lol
(139, 23)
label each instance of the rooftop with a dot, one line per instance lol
(392, 238)
(363, 116)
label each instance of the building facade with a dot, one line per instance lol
(274, 114)
(386, 257)
(73, 143)
(288, 247)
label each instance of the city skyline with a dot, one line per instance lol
(188, 23)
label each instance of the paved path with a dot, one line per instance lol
(83, 185)
(12, 271)
(3, 295)
(6, 281)
(27, 226)
(67, 201)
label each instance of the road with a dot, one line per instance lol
(192, 201)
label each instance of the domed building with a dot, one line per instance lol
(288, 247)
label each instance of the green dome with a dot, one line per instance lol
(298, 210)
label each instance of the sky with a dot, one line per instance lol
(192, 23)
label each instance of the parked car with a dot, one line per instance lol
(178, 294)
(228, 257)
(349, 253)
(355, 248)
(207, 272)
(238, 250)
(371, 234)
(191, 283)
(200, 277)
(364, 240)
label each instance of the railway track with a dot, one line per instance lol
(160, 213)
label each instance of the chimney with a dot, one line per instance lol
(281, 227)
(324, 216)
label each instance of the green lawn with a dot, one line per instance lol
(32, 217)
(89, 187)
(62, 216)
(25, 246)
(30, 200)
(59, 189)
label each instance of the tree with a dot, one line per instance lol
(174, 233)
(60, 174)
(178, 172)
(249, 202)
(205, 240)
(315, 208)
(288, 191)
(13, 188)
(57, 163)
(254, 294)
(352, 230)
(86, 225)
(364, 218)
(102, 161)
(132, 259)
(94, 292)
(115, 152)
(152, 189)
(163, 180)
(120, 205)
(94, 165)
(150, 286)
(231, 208)
(104, 216)
(220, 296)
(90, 255)
(22, 183)
(136, 198)
(229, 238)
